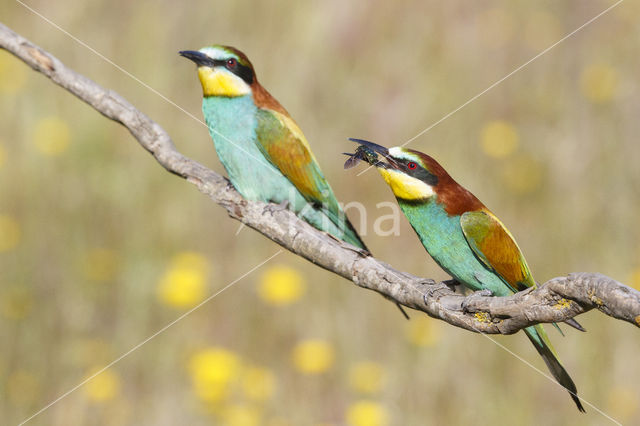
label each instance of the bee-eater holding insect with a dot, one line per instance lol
(460, 233)
(263, 150)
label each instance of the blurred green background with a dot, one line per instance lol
(100, 247)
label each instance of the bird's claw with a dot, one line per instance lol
(272, 208)
(452, 284)
(433, 289)
(481, 293)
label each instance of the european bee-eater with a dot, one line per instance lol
(263, 150)
(460, 233)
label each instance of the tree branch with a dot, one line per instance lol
(555, 301)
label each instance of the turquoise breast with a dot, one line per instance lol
(232, 123)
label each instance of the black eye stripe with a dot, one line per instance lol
(242, 71)
(420, 172)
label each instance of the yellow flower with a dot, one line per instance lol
(366, 377)
(367, 413)
(599, 83)
(213, 392)
(184, 284)
(103, 387)
(16, 302)
(212, 371)
(182, 287)
(499, 139)
(281, 285)
(51, 136)
(522, 174)
(313, 356)
(422, 331)
(101, 264)
(241, 415)
(259, 384)
(623, 404)
(9, 233)
(22, 387)
(13, 75)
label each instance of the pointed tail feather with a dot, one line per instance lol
(351, 236)
(571, 322)
(558, 328)
(539, 338)
(333, 222)
(575, 324)
(346, 231)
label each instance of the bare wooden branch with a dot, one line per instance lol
(557, 300)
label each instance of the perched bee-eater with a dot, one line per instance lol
(263, 150)
(460, 233)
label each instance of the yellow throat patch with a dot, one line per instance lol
(221, 83)
(406, 187)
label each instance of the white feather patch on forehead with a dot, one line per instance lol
(399, 152)
(217, 53)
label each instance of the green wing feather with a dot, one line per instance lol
(284, 145)
(495, 247)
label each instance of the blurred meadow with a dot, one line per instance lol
(100, 247)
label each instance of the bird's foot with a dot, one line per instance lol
(481, 293)
(434, 290)
(273, 208)
(452, 284)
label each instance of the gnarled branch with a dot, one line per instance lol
(555, 301)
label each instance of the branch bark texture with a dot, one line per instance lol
(557, 300)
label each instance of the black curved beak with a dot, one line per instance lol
(380, 150)
(199, 58)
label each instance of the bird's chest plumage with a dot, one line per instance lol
(232, 124)
(442, 236)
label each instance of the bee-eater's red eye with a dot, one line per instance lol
(412, 166)
(231, 62)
